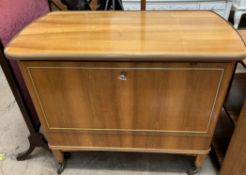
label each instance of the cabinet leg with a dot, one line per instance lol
(25, 155)
(58, 155)
(61, 167)
(35, 140)
(237, 18)
(200, 158)
(60, 159)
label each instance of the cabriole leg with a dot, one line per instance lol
(35, 140)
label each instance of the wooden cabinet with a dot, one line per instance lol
(180, 100)
(128, 81)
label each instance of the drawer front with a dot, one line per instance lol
(125, 97)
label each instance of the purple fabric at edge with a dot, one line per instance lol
(14, 16)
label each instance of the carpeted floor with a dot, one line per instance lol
(13, 140)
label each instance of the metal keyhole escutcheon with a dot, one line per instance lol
(122, 76)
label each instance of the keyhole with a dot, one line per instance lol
(122, 76)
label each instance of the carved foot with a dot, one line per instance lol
(35, 140)
(25, 155)
(61, 167)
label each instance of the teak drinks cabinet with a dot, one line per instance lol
(128, 81)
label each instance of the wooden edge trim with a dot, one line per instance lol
(127, 57)
(240, 36)
(130, 11)
(145, 150)
(132, 57)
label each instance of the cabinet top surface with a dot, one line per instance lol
(149, 35)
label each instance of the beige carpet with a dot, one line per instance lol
(13, 139)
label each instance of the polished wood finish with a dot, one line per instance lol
(165, 35)
(200, 160)
(58, 155)
(141, 142)
(148, 111)
(235, 160)
(159, 85)
(144, 102)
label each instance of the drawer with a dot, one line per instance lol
(173, 98)
(213, 5)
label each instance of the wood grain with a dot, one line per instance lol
(146, 35)
(177, 68)
(148, 111)
(100, 141)
(58, 155)
(235, 160)
(150, 99)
